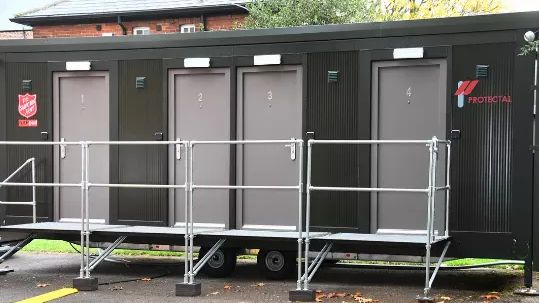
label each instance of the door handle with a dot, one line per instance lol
(62, 149)
(178, 150)
(292, 149)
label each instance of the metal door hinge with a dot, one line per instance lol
(292, 146)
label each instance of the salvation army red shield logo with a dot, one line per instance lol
(27, 105)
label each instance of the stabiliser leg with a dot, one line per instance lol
(16, 248)
(528, 290)
(192, 288)
(528, 265)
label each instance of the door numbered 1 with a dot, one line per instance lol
(292, 147)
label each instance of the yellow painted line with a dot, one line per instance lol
(53, 295)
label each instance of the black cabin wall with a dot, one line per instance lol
(332, 113)
(482, 157)
(3, 160)
(17, 155)
(140, 117)
(488, 202)
(482, 213)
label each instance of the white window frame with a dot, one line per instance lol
(145, 30)
(187, 28)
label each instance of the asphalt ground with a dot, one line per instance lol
(387, 286)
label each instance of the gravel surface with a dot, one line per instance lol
(388, 286)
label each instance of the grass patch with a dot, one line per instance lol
(58, 246)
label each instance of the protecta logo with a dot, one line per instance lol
(465, 88)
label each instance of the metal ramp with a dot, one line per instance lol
(304, 238)
(302, 292)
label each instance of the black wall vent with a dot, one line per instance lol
(333, 76)
(26, 86)
(481, 71)
(140, 82)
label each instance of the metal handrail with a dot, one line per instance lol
(189, 276)
(88, 185)
(33, 202)
(431, 191)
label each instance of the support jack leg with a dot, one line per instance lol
(305, 294)
(528, 290)
(428, 283)
(16, 248)
(192, 288)
(88, 283)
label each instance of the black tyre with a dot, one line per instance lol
(275, 264)
(221, 264)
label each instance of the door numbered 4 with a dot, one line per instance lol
(292, 147)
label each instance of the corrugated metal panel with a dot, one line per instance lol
(140, 117)
(17, 155)
(482, 159)
(333, 114)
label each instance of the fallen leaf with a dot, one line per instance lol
(446, 298)
(145, 279)
(319, 291)
(228, 287)
(42, 285)
(319, 297)
(215, 293)
(259, 284)
(365, 300)
(358, 294)
(341, 295)
(332, 295)
(490, 297)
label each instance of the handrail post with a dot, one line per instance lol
(82, 197)
(429, 210)
(308, 214)
(87, 203)
(191, 229)
(34, 202)
(300, 210)
(448, 190)
(186, 203)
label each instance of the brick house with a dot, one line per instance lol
(87, 18)
(10, 30)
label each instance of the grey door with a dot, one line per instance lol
(269, 108)
(81, 113)
(409, 103)
(200, 105)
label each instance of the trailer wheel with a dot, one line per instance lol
(275, 264)
(221, 264)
